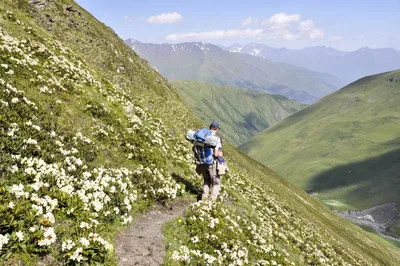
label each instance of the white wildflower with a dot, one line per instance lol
(84, 225)
(20, 236)
(49, 237)
(84, 242)
(14, 169)
(67, 245)
(3, 240)
(10, 72)
(77, 255)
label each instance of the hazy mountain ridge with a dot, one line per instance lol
(241, 113)
(210, 63)
(347, 66)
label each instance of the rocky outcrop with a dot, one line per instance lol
(384, 214)
(379, 217)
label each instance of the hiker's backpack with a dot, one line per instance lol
(204, 142)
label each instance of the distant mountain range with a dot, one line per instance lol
(242, 113)
(347, 66)
(211, 63)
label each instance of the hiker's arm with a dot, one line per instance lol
(217, 153)
(218, 149)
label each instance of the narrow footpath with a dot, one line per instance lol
(142, 243)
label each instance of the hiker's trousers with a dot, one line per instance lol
(211, 179)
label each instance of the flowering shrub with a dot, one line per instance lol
(56, 195)
(267, 232)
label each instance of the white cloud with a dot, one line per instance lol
(336, 38)
(316, 34)
(165, 18)
(217, 35)
(308, 28)
(247, 21)
(289, 36)
(280, 26)
(280, 35)
(280, 20)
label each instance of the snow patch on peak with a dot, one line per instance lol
(255, 51)
(237, 50)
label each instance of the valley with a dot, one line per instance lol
(241, 113)
(344, 148)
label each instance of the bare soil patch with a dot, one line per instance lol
(142, 243)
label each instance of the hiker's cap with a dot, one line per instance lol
(215, 125)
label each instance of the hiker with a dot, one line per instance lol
(207, 167)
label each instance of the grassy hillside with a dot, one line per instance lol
(90, 135)
(241, 113)
(210, 63)
(346, 146)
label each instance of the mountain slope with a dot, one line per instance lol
(241, 113)
(345, 147)
(91, 135)
(210, 63)
(347, 66)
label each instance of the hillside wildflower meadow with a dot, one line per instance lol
(53, 199)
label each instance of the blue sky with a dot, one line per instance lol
(345, 25)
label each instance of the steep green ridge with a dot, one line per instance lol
(242, 113)
(90, 135)
(210, 63)
(346, 146)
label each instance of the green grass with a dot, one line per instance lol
(394, 229)
(346, 146)
(388, 243)
(241, 113)
(105, 145)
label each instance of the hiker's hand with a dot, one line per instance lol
(217, 153)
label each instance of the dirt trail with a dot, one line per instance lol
(142, 243)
